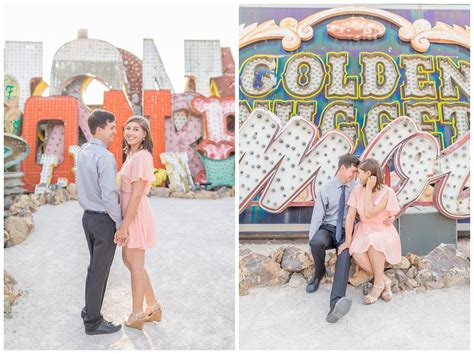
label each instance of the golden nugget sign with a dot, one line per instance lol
(353, 90)
(354, 85)
(306, 76)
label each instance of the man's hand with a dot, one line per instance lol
(389, 221)
(342, 247)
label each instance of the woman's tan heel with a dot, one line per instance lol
(155, 315)
(371, 299)
(387, 294)
(136, 321)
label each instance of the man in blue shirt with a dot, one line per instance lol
(327, 231)
(98, 196)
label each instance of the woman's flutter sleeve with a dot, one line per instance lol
(392, 203)
(142, 167)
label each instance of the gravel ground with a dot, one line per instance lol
(192, 271)
(286, 318)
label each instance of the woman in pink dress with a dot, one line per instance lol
(373, 242)
(137, 231)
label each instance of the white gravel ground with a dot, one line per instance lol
(286, 318)
(192, 271)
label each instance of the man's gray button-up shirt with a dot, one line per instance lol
(96, 180)
(327, 204)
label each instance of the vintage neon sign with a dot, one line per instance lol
(305, 77)
(281, 161)
(408, 110)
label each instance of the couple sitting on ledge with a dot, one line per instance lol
(372, 241)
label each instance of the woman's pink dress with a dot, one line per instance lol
(141, 232)
(372, 232)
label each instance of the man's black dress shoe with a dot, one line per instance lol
(341, 307)
(313, 284)
(105, 327)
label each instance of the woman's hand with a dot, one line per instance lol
(121, 236)
(371, 182)
(343, 246)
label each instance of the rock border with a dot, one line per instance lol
(444, 266)
(10, 293)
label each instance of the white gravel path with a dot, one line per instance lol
(287, 318)
(192, 271)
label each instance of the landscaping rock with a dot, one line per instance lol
(294, 260)
(259, 270)
(18, 229)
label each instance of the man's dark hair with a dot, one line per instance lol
(99, 118)
(348, 160)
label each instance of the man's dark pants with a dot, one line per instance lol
(324, 239)
(100, 230)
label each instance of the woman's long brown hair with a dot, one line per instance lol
(373, 166)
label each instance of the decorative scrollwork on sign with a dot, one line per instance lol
(419, 34)
(441, 33)
(286, 31)
(406, 32)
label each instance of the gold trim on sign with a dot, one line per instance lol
(420, 34)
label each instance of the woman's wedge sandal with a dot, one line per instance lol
(370, 299)
(155, 315)
(387, 295)
(136, 320)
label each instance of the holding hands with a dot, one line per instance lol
(121, 236)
